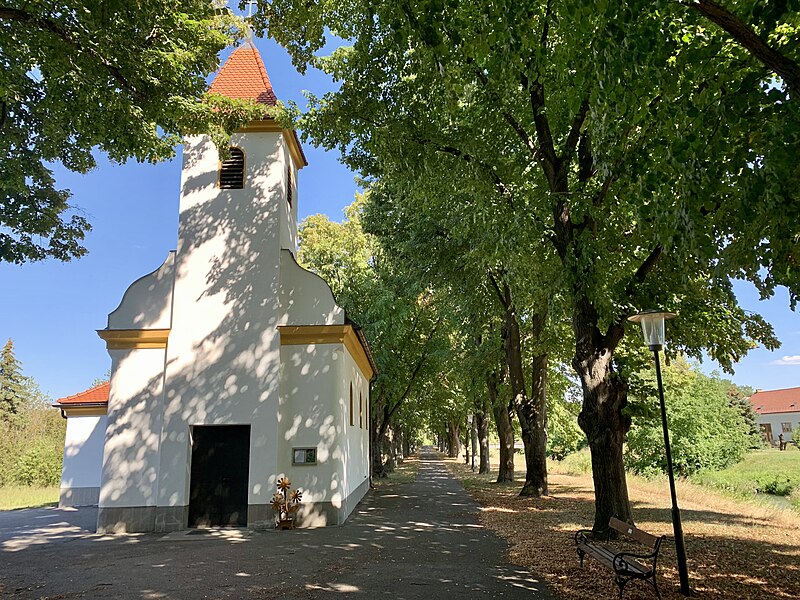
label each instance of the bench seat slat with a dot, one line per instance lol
(606, 556)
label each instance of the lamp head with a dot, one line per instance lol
(652, 322)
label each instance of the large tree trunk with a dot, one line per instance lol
(481, 429)
(473, 430)
(605, 394)
(378, 435)
(536, 417)
(505, 431)
(529, 411)
(453, 439)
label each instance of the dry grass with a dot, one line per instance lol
(405, 472)
(736, 549)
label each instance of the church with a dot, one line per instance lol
(232, 366)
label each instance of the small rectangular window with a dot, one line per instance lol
(304, 456)
(786, 427)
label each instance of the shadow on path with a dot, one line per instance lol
(420, 540)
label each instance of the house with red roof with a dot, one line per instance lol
(232, 367)
(83, 446)
(778, 412)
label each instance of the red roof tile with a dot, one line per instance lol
(95, 395)
(243, 77)
(776, 401)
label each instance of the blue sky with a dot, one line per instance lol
(51, 310)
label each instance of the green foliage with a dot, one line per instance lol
(763, 471)
(31, 433)
(707, 429)
(32, 448)
(577, 463)
(127, 79)
(564, 436)
(14, 386)
(401, 319)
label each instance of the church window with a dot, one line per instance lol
(231, 171)
(352, 416)
(360, 410)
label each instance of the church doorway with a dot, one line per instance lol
(219, 476)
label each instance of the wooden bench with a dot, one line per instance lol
(626, 565)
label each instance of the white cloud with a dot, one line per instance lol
(787, 360)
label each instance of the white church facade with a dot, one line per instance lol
(232, 366)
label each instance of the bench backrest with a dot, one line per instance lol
(633, 532)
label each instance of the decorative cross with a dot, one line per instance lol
(250, 4)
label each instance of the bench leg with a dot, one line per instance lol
(581, 554)
(621, 584)
(655, 587)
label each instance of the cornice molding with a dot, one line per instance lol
(303, 335)
(289, 136)
(96, 410)
(129, 339)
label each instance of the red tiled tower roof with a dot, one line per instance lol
(776, 401)
(243, 77)
(94, 396)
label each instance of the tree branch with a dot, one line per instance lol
(50, 26)
(498, 182)
(744, 35)
(496, 286)
(509, 118)
(416, 370)
(575, 130)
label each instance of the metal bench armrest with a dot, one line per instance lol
(621, 565)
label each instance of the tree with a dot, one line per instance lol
(14, 386)
(628, 198)
(707, 428)
(399, 317)
(128, 79)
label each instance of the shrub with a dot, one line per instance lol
(32, 447)
(707, 430)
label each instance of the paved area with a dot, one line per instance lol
(415, 541)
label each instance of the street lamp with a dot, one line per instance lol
(652, 322)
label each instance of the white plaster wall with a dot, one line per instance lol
(147, 303)
(775, 419)
(305, 297)
(312, 415)
(357, 465)
(133, 430)
(223, 353)
(83, 451)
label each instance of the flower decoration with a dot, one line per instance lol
(285, 503)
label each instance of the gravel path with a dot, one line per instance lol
(420, 540)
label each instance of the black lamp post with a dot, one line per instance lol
(652, 322)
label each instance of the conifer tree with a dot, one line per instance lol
(13, 388)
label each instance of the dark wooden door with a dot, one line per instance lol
(219, 476)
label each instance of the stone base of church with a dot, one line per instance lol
(79, 496)
(171, 518)
(126, 519)
(163, 519)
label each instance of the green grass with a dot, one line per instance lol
(761, 472)
(15, 496)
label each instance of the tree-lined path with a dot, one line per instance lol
(412, 541)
